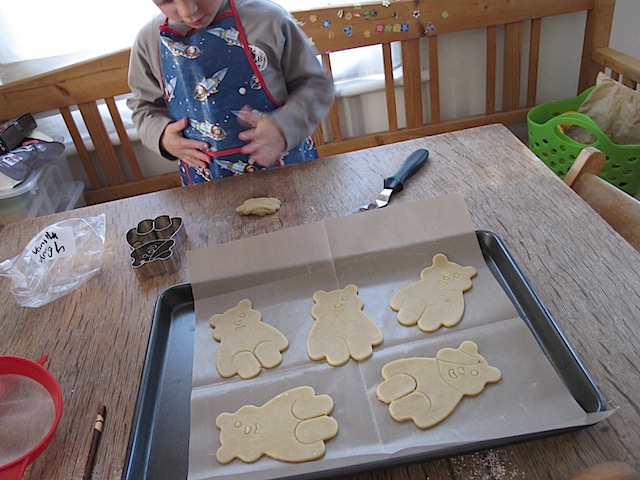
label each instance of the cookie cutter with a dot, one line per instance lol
(155, 246)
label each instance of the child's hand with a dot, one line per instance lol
(186, 149)
(265, 143)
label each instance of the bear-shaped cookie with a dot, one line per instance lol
(437, 298)
(427, 390)
(341, 329)
(291, 427)
(246, 343)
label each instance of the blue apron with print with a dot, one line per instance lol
(209, 74)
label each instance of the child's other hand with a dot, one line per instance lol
(186, 149)
(265, 143)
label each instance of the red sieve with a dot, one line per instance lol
(30, 410)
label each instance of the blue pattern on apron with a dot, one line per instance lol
(209, 74)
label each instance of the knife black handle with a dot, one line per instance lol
(411, 165)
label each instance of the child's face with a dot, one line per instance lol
(195, 13)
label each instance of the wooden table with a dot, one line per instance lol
(586, 275)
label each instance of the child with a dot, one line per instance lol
(226, 87)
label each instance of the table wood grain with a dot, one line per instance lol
(586, 275)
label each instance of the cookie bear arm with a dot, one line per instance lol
(396, 386)
(409, 304)
(316, 430)
(309, 405)
(423, 410)
(333, 348)
(268, 350)
(303, 424)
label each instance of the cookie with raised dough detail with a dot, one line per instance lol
(427, 390)
(291, 427)
(246, 343)
(259, 206)
(437, 298)
(341, 329)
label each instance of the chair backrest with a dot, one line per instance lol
(84, 86)
(616, 207)
(508, 27)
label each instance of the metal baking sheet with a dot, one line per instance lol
(159, 442)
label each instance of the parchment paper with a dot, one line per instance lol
(380, 251)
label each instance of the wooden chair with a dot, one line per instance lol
(617, 208)
(85, 85)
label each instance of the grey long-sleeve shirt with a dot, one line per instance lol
(293, 76)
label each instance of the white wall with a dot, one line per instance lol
(626, 27)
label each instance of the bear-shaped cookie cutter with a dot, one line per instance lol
(156, 246)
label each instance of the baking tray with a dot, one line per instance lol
(159, 441)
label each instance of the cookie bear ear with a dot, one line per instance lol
(492, 375)
(214, 319)
(465, 354)
(469, 347)
(319, 295)
(351, 289)
(222, 419)
(440, 259)
(244, 304)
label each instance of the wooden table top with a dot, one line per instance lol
(586, 275)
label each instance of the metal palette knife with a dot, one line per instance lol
(395, 183)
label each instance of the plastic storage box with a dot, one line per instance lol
(47, 190)
(558, 151)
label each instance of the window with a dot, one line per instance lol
(42, 28)
(63, 27)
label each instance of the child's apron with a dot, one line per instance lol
(208, 74)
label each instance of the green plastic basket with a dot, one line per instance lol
(558, 151)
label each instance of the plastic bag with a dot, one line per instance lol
(615, 109)
(58, 260)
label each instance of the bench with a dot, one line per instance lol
(512, 31)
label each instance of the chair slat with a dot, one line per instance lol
(534, 56)
(412, 83)
(390, 88)
(334, 114)
(125, 142)
(318, 136)
(434, 78)
(492, 65)
(102, 143)
(81, 148)
(596, 35)
(512, 66)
